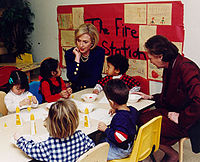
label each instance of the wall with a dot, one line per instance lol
(45, 36)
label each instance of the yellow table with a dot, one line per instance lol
(9, 152)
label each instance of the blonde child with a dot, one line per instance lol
(121, 132)
(18, 96)
(117, 66)
(52, 86)
(65, 142)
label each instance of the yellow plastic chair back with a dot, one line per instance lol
(147, 141)
(3, 108)
(98, 153)
(26, 58)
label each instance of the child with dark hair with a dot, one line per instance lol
(121, 132)
(52, 86)
(117, 66)
(18, 94)
(65, 142)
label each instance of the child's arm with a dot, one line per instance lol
(38, 151)
(11, 103)
(47, 93)
(97, 89)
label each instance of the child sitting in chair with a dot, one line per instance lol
(52, 86)
(117, 66)
(121, 132)
(64, 143)
(18, 96)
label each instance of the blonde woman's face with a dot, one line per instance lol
(84, 44)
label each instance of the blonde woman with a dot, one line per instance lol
(85, 61)
(65, 143)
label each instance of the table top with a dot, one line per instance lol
(23, 66)
(9, 152)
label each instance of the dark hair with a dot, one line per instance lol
(117, 91)
(119, 62)
(47, 66)
(18, 77)
(158, 44)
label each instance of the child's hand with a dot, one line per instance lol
(95, 91)
(34, 99)
(69, 90)
(16, 136)
(111, 111)
(143, 95)
(66, 93)
(24, 102)
(102, 126)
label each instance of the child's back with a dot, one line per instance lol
(65, 142)
(121, 132)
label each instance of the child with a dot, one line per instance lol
(52, 86)
(64, 143)
(117, 66)
(18, 94)
(121, 132)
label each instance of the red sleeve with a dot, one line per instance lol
(47, 93)
(144, 84)
(191, 78)
(63, 85)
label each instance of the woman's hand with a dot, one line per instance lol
(144, 96)
(173, 116)
(77, 54)
(102, 126)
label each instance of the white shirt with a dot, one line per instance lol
(12, 101)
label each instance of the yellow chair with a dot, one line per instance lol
(147, 141)
(25, 58)
(98, 153)
(3, 109)
(181, 142)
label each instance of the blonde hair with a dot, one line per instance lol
(89, 29)
(63, 119)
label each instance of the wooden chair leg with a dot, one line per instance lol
(181, 142)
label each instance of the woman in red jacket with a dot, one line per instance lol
(179, 101)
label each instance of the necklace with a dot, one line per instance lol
(84, 58)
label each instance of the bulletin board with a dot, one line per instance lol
(124, 28)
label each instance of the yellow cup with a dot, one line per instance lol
(30, 97)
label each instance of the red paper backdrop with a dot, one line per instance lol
(118, 37)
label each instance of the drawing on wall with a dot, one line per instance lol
(154, 73)
(137, 68)
(65, 21)
(78, 16)
(67, 38)
(145, 32)
(123, 29)
(159, 14)
(179, 46)
(135, 13)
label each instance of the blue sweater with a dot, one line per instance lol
(85, 74)
(122, 129)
